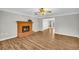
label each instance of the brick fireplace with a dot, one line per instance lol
(24, 28)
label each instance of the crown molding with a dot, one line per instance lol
(32, 16)
(15, 12)
(65, 14)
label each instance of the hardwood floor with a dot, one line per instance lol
(41, 41)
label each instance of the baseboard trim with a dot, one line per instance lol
(7, 38)
(67, 35)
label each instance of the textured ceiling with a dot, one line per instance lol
(30, 11)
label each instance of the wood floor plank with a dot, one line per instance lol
(41, 41)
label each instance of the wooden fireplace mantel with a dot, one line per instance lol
(20, 25)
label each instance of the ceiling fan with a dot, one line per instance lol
(43, 11)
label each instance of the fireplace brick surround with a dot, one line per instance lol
(24, 29)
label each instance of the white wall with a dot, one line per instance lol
(40, 24)
(67, 25)
(36, 25)
(8, 26)
(45, 24)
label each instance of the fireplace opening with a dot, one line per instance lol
(25, 28)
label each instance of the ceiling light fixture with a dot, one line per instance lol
(42, 11)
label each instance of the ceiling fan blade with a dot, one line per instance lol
(49, 11)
